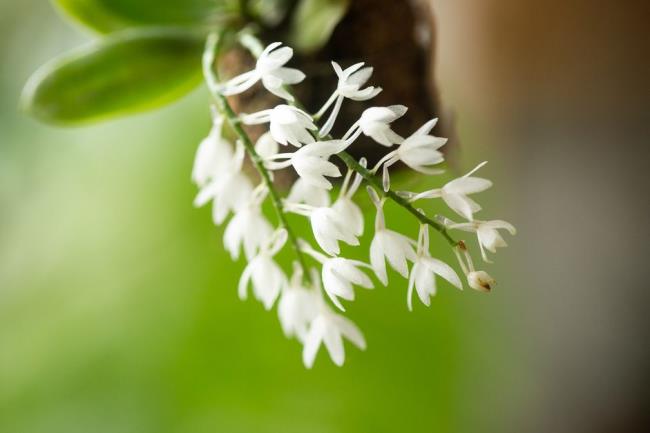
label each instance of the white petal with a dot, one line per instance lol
(365, 94)
(312, 342)
(397, 250)
(467, 185)
(347, 269)
(460, 204)
(377, 260)
(444, 270)
(242, 288)
(351, 332)
(500, 224)
(351, 214)
(490, 238)
(266, 146)
(398, 110)
(427, 127)
(289, 75)
(425, 284)
(334, 344)
(303, 192)
(240, 83)
(409, 290)
(360, 77)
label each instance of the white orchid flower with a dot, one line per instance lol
(455, 193)
(349, 86)
(270, 69)
(213, 155)
(266, 276)
(487, 233)
(248, 227)
(266, 147)
(345, 205)
(329, 328)
(424, 271)
(288, 124)
(339, 275)
(298, 306)
(419, 151)
(388, 245)
(229, 191)
(304, 192)
(375, 123)
(311, 162)
(329, 228)
(327, 225)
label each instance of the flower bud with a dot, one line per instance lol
(480, 280)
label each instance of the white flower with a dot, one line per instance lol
(248, 227)
(230, 189)
(487, 233)
(267, 277)
(329, 228)
(419, 151)
(266, 147)
(303, 192)
(480, 280)
(298, 306)
(455, 193)
(349, 86)
(424, 271)
(346, 207)
(311, 162)
(213, 155)
(375, 123)
(390, 245)
(339, 274)
(329, 328)
(270, 69)
(327, 225)
(288, 124)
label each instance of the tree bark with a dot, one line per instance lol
(396, 37)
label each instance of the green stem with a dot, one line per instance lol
(375, 181)
(235, 124)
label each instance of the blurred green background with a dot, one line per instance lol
(119, 312)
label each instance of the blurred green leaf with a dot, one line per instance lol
(109, 15)
(314, 21)
(124, 73)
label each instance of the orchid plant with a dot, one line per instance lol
(149, 54)
(311, 302)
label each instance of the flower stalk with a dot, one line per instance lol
(212, 48)
(376, 182)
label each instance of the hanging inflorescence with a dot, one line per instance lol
(303, 311)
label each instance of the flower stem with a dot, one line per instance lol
(369, 177)
(235, 124)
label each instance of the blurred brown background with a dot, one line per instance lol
(560, 91)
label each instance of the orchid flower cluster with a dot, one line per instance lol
(310, 301)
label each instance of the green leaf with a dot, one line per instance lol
(314, 21)
(110, 15)
(124, 73)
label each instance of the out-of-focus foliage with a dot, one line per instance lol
(123, 73)
(314, 21)
(137, 68)
(109, 15)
